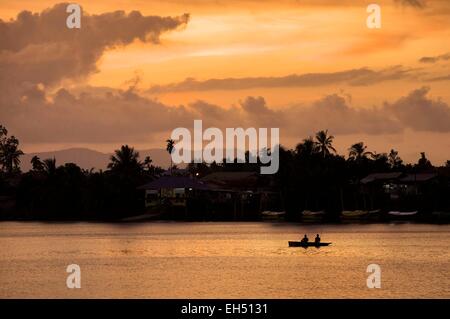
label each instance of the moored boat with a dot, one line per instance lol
(360, 215)
(401, 214)
(312, 216)
(272, 215)
(354, 213)
(309, 213)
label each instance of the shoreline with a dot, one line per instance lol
(192, 221)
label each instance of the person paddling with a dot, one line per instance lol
(305, 240)
(317, 239)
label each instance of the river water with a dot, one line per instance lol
(222, 260)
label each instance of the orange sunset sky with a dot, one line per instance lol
(132, 77)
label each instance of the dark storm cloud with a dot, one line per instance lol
(355, 77)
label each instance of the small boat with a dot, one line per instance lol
(373, 214)
(354, 213)
(312, 216)
(309, 213)
(308, 244)
(272, 215)
(396, 213)
(360, 215)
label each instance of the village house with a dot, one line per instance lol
(219, 195)
(396, 190)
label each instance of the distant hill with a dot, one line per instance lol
(87, 158)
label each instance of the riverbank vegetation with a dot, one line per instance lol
(312, 176)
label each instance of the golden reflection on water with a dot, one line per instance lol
(222, 260)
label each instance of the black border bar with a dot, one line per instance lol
(223, 308)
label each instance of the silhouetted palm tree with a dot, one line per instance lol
(306, 148)
(380, 161)
(10, 153)
(358, 151)
(394, 160)
(37, 164)
(169, 148)
(50, 166)
(423, 162)
(324, 143)
(147, 162)
(125, 160)
(3, 132)
(376, 155)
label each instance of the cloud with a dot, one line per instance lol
(415, 111)
(39, 48)
(89, 117)
(333, 112)
(434, 59)
(420, 113)
(354, 77)
(439, 78)
(37, 53)
(412, 3)
(119, 116)
(258, 112)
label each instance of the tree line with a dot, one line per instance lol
(311, 176)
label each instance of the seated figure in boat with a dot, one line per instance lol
(317, 239)
(304, 240)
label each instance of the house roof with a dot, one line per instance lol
(176, 172)
(229, 176)
(419, 177)
(231, 180)
(380, 177)
(399, 177)
(175, 182)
